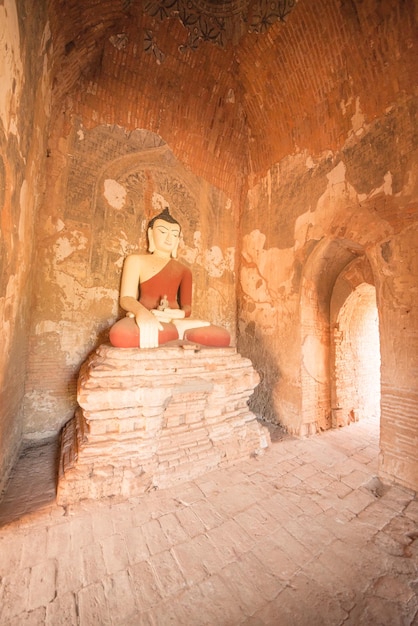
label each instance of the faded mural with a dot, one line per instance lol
(112, 184)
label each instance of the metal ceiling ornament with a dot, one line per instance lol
(220, 21)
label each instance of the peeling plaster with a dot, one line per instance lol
(24, 204)
(46, 326)
(344, 104)
(310, 164)
(263, 314)
(53, 225)
(115, 193)
(213, 260)
(11, 68)
(252, 246)
(274, 265)
(338, 190)
(45, 86)
(65, 246)
(125, 248)
(385, 188)
(265, 317)
(81, 299)
(303, 225)
(45, 81)
(411, 183)
(46, 38)
(339, 194)
(189, 254)
(357, 121)
(159, 203)
(230, 259)
(75, 338)
(253, 285)
(8, 312)
(215, 301)
(337, 175)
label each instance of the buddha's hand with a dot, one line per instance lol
(148, 329)
(168, 314)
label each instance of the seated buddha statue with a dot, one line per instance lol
(156, 292)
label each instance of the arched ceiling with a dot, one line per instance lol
(233, 86)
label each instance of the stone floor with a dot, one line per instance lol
(303, 535)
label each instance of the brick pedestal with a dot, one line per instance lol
(151, 418)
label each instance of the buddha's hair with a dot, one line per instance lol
(165, 216)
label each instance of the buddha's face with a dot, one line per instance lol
(166, 236)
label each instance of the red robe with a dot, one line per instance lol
(173, 282)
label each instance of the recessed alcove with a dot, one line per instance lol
(356, 352)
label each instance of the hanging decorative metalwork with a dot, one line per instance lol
(220, 21)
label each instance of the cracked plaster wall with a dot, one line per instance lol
(24, 111)
(309, 216)
(104, 187)
(303, 224)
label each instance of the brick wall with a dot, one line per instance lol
(305, 225)
(24, 103)
(297, 145)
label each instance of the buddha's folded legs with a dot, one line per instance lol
(211, 335)
(125, 334)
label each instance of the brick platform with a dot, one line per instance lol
(152, 418)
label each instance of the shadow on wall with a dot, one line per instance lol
(252, 344)
(32, 483)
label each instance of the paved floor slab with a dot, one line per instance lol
(305, 534)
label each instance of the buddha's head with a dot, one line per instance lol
(164, 234)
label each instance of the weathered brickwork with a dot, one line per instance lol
(289, 153)
(283, 280)
(149, 420)
(24, 103)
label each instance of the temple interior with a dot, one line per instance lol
(284, 138)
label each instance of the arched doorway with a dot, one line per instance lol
(335, 270)
(355, 350)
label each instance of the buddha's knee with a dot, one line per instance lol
(125, 333)
(213, 336)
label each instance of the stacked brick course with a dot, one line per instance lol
(152, 418)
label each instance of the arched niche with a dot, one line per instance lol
(322, 269)
(354, 346)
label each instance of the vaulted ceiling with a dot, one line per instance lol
(233, 86)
